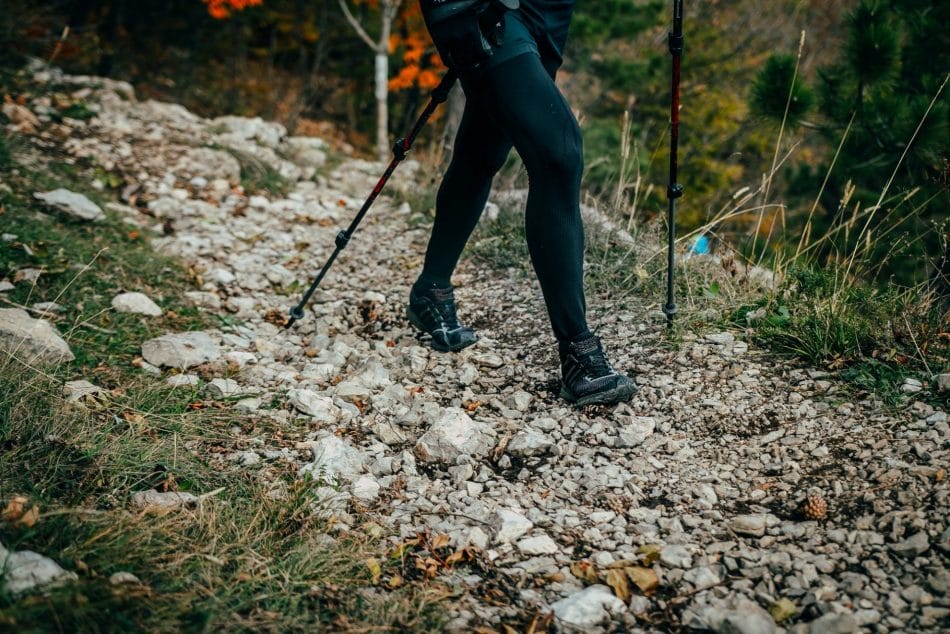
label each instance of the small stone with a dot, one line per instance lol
(529, 442)
(334, 458)
(510, 525)
(943, 382)
(123, 578)
(589, 607)
(914, 545)
(365, 488)
(47, 307)
(753, 525)
(153, 500)
(180, 350)
(222, 388)
(308, 402)
(519, 401)
(702, 577)
(183, 380)
(32, 341)
(834, 623)
(488, 360)
(539, 545)
(676, 556)
(635, 430)
(71, 203)
(246, 458)
(78, 390)
(137, 303)
(911, 386)
(248, 405)
(25, 570)
(721, 338)
(452, 435)
(474, 537)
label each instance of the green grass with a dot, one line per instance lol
(84, 265)
(240, 561)
(243, 560)
(258, 176)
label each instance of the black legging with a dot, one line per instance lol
(517, 103)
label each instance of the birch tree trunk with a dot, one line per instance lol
(380, 47)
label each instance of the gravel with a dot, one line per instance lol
(708, 465)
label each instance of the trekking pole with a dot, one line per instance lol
(400, 150)
(674, 190)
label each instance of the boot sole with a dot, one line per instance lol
(418, 325)
(618, 394)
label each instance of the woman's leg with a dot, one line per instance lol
(480, 150)
(523, 101)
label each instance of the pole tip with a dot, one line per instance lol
(296, 313)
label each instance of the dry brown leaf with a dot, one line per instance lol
(617, 580)
(455, 557)
(19, 515)
(375, 569)
(440, 541)
(649, 553)
(644, 578)
(585, 571)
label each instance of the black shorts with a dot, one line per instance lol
(520, 40)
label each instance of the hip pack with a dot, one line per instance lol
(466, 32)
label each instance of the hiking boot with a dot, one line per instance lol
(433, 312)
(586, 376)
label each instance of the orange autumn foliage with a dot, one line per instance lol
(421, 68)
(221, 9)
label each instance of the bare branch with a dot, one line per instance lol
(359, 27)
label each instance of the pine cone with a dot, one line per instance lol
(815, 507)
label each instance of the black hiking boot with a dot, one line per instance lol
(433, 312)
(586, 376)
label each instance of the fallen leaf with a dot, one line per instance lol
(394, 582)
(617, 580)
(374, 569)
(782, 610)
(454, 558)
(644, 578)
(650, 553)
(585, 571)
(18, 515)
(440, 541)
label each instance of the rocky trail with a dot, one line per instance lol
(737, 492)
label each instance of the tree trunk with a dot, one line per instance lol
(380, 47)
(382, 104)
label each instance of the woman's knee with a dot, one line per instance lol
(559, 155)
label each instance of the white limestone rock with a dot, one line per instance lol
(180, 350)
(452, 435)
(72, 204)
(137, 303)
(153, 500)
(26, 570)
(589, 607)
(33, 341)
(334, 458)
